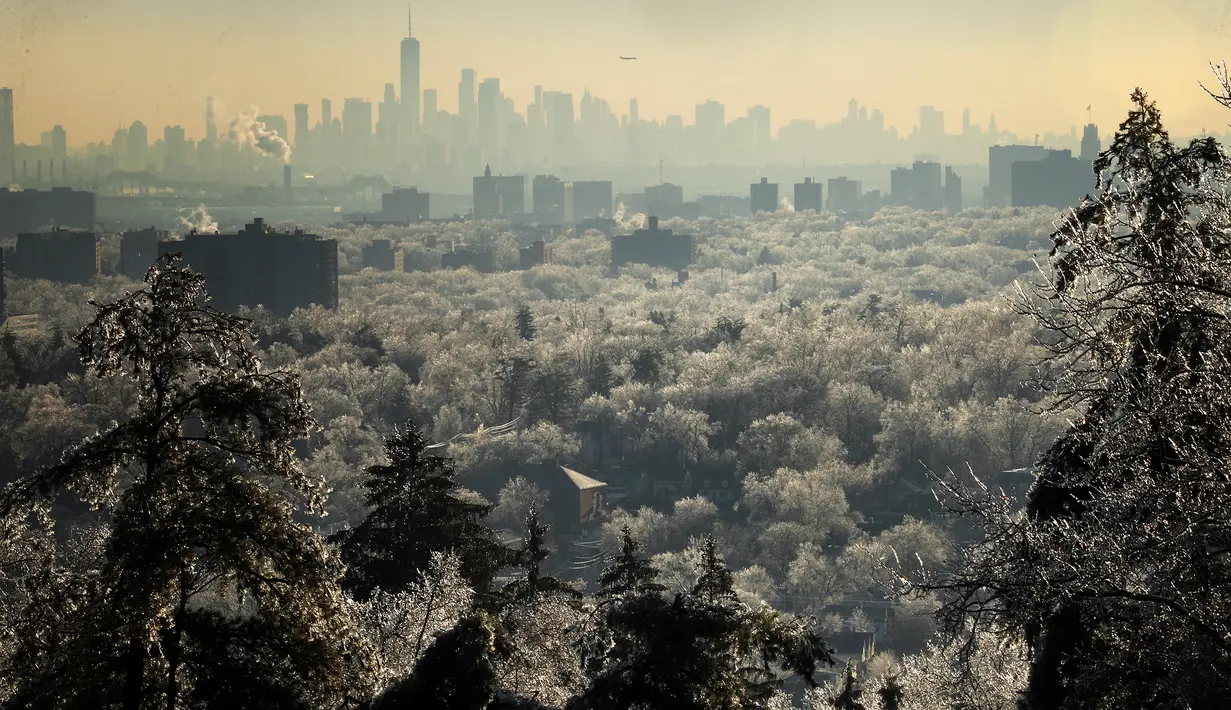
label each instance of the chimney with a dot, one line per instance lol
(773, 282)
(286, 180)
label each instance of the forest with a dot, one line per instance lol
(918, 461)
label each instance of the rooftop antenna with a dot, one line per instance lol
(1089, 114)
(409, 28)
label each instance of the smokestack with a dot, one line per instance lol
(773, 282)
(286, 180)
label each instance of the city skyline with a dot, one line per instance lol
(542, 44)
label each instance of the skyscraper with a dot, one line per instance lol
(410, 84)
(389, 125)
(357, 130)
(430, 106)
(7, 133)
(931, 122)
(302, 128)
(761, 131)
(59, 143)
(211, 121)
(808, 196)
(763, 196)
(490, 108)
(1090, 143)
(174, 147)
(138, 146)
(466, 107)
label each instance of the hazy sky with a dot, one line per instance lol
(95, 65)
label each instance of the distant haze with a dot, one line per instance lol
(95, 65)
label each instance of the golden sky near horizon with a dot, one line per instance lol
(95, 65)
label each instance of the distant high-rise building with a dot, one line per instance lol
(664, 199)
(389, 125)
(808, 196)
(927, 186)
(467, 106)
(653, 246)
(1090, 143)
(953, 191)
(60, 256)
(711, 125)
(901, 191)
(1000, 160)
(8, 144)
(965, 121)
(764, 196)
(326, 112)
(430, 108)
(277, 124)
(406, 205)
(634, 114)
(845, 195)
(138, 146)
(139, 251)
(931, 122)
(591, 200)
(357, 130)
(55, 142)
(761, 131)
(498, 196)
(537, 254)
(382, 255)
(1058, 180)
(174, 148)
(211, 121)
(30, 210)
(491, 105)
(303, 129)
(548, 199)
(260, 267)
(410, 84)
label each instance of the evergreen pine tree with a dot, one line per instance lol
(524, 320)
(207, 593)
(715, 583)
(629, 573)
(891, 693)
(415, 513)
(851, 695)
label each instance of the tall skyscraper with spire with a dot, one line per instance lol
(410, 83)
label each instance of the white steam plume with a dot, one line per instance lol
(200, 221)
(622, 216)
(786, 205)
(247, 132)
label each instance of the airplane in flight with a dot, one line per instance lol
(628, 58)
